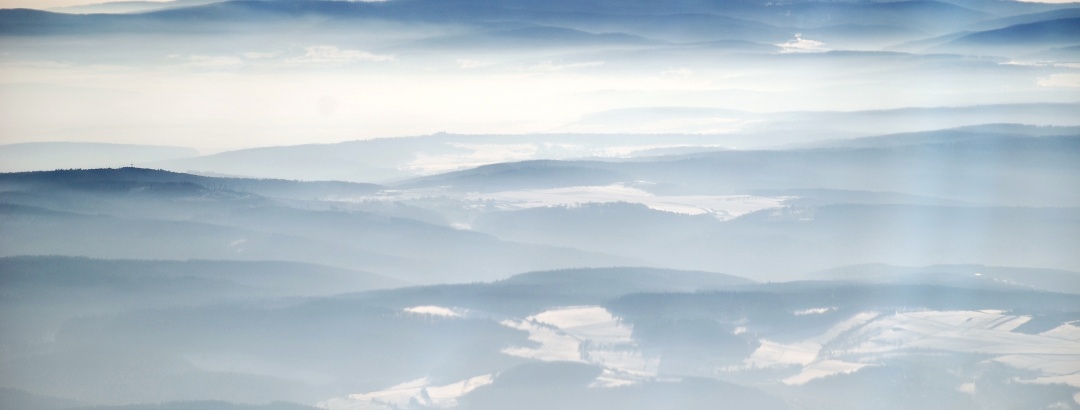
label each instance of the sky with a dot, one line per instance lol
(249, 86)
(45, 4)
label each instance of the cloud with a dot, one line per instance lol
(1060, 80)
(333, 56)
(469, 64)
(549, 66)
(201, 61)
(679, 72)
(802, 45)
(258, 55)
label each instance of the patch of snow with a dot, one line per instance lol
(806, 352)
(722, 207)
(968, 388)
(814, 311)
(772, 354)
(1055, 368)
(432, 311)
(613, 378)
(588, 334)
(555, 345)
(823, 368)
(802, 45)
(1066, 331)
(1054, 355)
(419, 391)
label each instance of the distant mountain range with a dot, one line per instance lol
(554, 23)
(41, 156)
(536, 205)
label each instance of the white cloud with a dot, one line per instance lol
(201, 61)
(1062, 80)
(549, 66)
(258, 55)
(802, 45)
(469, 64)
(331, 55)
(679, 72)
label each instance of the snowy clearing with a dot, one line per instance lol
(722, 207)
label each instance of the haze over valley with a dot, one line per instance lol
(476, 204)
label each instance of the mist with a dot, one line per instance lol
(471, 204)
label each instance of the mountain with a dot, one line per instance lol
(134, 180)
(143, 214)
(684, 27)
(695, 21)
(203, 405)
(975, 164)
(19, 399)
(384, 160)
(534, 37)
(533, 292)
(974, 133)
(527, 175)
(47, 156)
(113, 7)
(566, 385)
(778, 242)
(1018, 39)
(1027, 18)
(1048, 280)
(492, 204)
(163, 280)
(798, 128)
(1052, 32)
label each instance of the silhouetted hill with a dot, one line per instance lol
(169, 278)
(131, 180)
(44, 156)
(202, 405)
(1017, 39)
(532, 292)
(929, 16)
(565, 385)
(974, 164)
(775, 243)
(130, 6)
(120, 216)
(919, 15)
(776, 307)
(521, 175)
(1048, 32)
(974, 133)
(20, 399)
(1027, 18)
(535, 36)
(1049, 280)
(625, 280)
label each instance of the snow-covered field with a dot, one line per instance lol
(587, 334)
(722, 207)
(861, 340)
(420, 391)
(591, 334)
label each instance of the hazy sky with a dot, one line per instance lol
(250, 86)
(44, 4)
